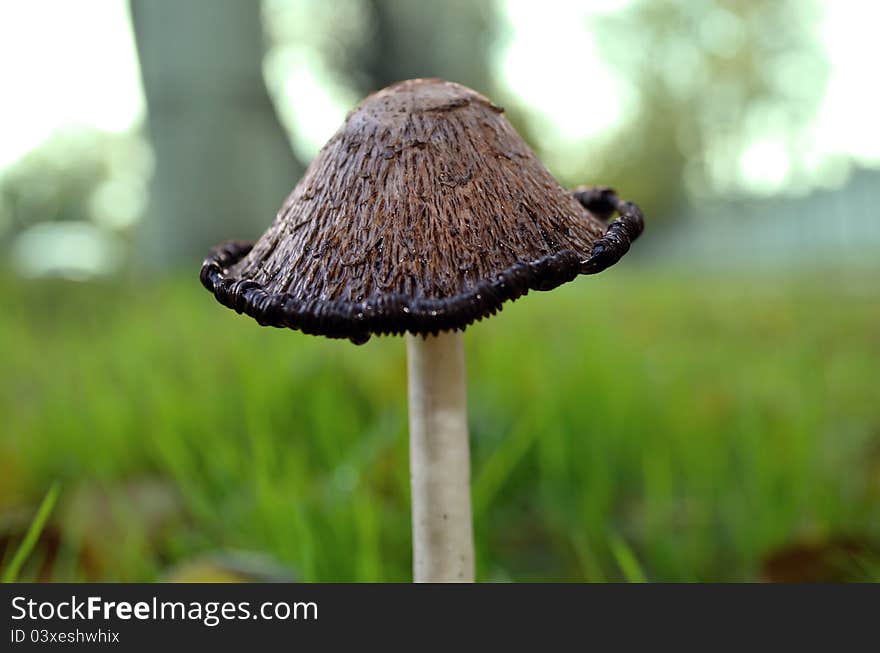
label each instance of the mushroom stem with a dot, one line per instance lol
(439, 459)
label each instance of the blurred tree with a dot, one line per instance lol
(710, 78)
(427, 39)
(326, 56)
(368, 44)
(223, 162)
(55, 181)
(69, 206)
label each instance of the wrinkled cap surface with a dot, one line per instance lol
(423, 213)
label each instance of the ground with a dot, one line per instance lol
(645, 423)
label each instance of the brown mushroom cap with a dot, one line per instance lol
(425, 212)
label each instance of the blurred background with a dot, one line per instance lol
(707, 410)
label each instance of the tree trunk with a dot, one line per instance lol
(223, 161)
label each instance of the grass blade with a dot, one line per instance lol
(627, 561)
(33, 533)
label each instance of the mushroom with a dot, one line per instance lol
(425, 212)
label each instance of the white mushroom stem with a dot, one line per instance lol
(439, 460)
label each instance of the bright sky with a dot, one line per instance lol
(550, 36)
(67, 62)
(848, 119)
(295, 73)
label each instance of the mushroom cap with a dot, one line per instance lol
(423, 213)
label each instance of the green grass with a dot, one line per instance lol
(638, 425)
(10, 573)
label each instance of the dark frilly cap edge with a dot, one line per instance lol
(398, 314)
